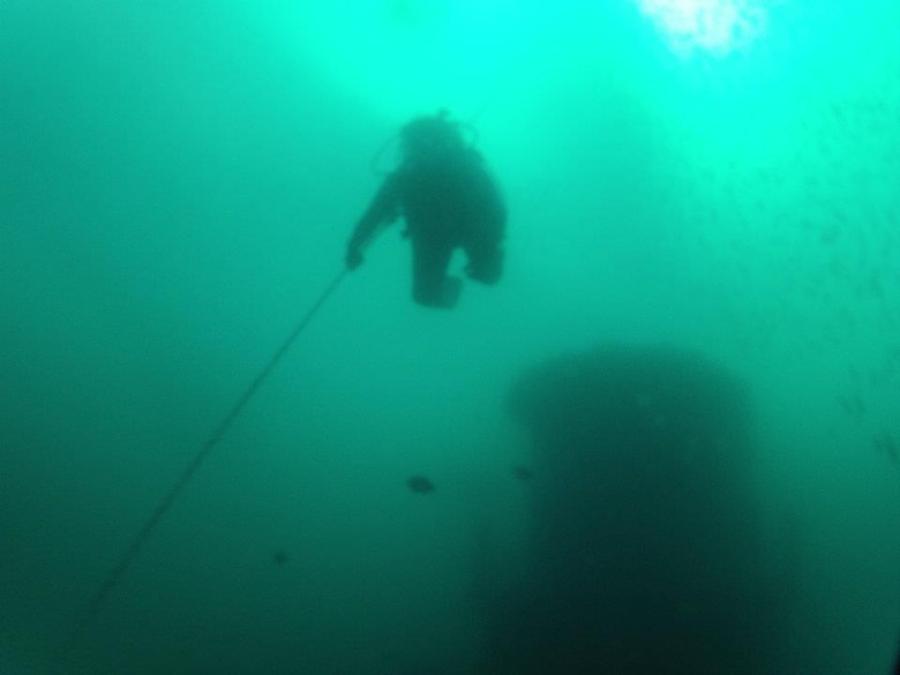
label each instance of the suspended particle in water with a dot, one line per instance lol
(523, 472)
(420, 484)
(887, 444)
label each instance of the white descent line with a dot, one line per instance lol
(115, 575)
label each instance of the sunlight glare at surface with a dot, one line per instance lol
(717, 26)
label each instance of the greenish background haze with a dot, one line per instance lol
(177, 181)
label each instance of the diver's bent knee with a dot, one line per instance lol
(488, 279)
(486, 272)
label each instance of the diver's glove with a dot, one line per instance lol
(353, 257)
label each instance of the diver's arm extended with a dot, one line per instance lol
(383, 209)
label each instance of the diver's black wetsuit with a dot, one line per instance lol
(447, 203)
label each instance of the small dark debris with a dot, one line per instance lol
(420, 484)
(887, 444)
(523, 472)
(853, 405)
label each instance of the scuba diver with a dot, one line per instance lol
(443, 191)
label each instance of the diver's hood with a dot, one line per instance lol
(431, 137)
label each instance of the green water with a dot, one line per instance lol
(177, 182)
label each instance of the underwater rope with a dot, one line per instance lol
(115, 575)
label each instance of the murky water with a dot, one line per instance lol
(177, 184)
